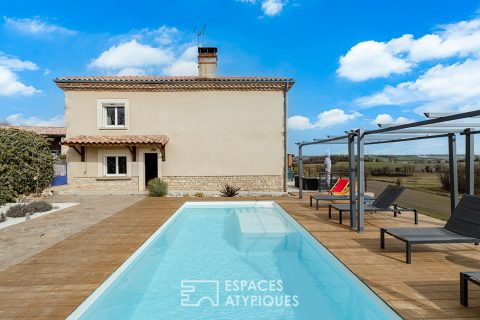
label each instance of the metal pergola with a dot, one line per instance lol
(437, 125)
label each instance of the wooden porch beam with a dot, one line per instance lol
(133, 152)
(162, 151)
(81, 152)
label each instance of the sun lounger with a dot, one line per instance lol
(332, 197)
(384, 202)
(462, 227)
(464, 278)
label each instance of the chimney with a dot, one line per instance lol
(207, 62)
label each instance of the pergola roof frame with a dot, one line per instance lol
(361, 138)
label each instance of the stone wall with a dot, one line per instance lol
(262, 183)
(103, 184)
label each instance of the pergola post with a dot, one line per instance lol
(469, 162)
(452, 158)
(300, 172)
(351, 177)
(360, 178)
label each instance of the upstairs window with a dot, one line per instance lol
(115, 166)
(114, 115)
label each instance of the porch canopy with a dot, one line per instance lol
(79, 143)
(438, 125)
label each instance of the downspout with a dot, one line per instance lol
(285, 153)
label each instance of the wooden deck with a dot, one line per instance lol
(52, 283)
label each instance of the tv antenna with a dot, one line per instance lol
(199, 33)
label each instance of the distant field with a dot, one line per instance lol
(428, 182)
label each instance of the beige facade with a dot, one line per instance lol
(212, 134)
(198, 132)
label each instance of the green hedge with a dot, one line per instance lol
(26, 163)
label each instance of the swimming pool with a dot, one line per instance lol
(232, 260)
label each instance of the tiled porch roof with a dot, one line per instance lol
(127, 140)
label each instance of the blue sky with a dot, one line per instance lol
(354, 61)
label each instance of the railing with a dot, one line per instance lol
(319, 182)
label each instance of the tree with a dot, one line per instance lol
(26, 163)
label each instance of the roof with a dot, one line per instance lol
(46, 131)
(161, 83)
(117, 140)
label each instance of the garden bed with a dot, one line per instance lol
(11, 221)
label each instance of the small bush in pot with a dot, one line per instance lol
(229, 191)
(157, 188)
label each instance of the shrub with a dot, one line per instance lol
(39, 206)
(399, 182)
(462, 179)
(26, 164)
(403, 171)
(157, 188)
(229, 191)
(199, 194)
(3, 217)
(17, 211)
(186, 195)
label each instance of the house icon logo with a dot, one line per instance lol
(195, 292)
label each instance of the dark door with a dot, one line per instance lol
(151, 166)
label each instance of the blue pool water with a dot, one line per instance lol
(233, 260)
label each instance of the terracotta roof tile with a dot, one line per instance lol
(46, 131)
(117, 140)
(168, 79)
(156, 83)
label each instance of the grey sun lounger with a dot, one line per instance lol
(332, 197)
(462, 227)
(473, 277)
(384, 202)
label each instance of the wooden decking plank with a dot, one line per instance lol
(52, 283)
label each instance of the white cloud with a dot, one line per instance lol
(9, 81)
(35, 26)
(299, 123)
(270, 8)
(385, 118)
(333, 117)
(325, 119)
(132, 54)
(16, 64)
(453, 87)
(21, 120)
(185, 65)
(373, 59)
(10, 85)
(131, 72)
(165, 35)
(160, 51)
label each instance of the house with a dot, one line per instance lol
(53, 134)
(196, 132)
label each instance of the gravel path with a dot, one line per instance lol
(26, 239)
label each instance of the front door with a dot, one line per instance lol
(151, 166)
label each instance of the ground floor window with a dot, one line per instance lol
(115, 165)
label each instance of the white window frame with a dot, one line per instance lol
(105, 171)
(102, 105)
(105, 118)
